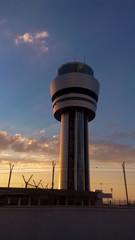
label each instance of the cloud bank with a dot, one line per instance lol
(18, 143)
(122, 135)
(100, 150)
(111, 152)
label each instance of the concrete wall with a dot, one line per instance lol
(33, 223)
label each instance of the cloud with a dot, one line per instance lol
(94, 134)
(108, 151)
(44, 49)
(47, 148)
(42, 131)
(36, 39)
(26, 38)
(113, 125)
(41, 35)
(18, 143)
(3, 21)
(122, 135)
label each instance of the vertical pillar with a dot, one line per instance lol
(19, 201)
(58, 201)
(29, 201)
(86, 153)
(80, 151)
(63, 175)
(75, 151)
(71, 152)
(39, 201)
(82, 202)
(9, 200)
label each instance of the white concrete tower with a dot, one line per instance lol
(74, 94)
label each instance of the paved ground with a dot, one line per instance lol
(50, 223)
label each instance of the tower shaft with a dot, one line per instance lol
(74, 151)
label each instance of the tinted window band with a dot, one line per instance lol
(75, 90)
(74, 98)
(75, 67)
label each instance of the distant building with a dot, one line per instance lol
(74, 94)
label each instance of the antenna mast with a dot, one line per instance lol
(11, 169)
(36, 185)
(123, 166)
(27, 182)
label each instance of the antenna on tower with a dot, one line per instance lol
(10, 173)
(84, 59)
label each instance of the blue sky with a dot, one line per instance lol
(36, 37)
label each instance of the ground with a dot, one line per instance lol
(96, 223)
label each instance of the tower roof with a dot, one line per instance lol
(75, 67)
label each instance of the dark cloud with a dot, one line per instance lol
(108, 151)
(113, 125)
(122, 135)
(93, 134)
(5, 140)
(18, 143)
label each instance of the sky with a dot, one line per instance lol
(37, 37)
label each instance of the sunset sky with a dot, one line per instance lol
(38, 36)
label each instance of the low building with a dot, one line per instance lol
(32, 196)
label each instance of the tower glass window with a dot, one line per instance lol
(75, 67)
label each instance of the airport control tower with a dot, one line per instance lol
(74, 94)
